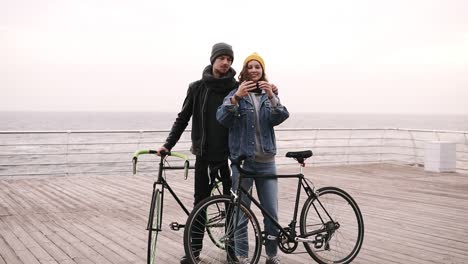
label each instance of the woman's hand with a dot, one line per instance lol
(243, 90)
(274, 89)
(268, 88)
(245, 87)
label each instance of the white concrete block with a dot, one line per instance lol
(440, 156)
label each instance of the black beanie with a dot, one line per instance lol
(221, 49)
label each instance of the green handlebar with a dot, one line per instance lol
(179, 155)
(144, 151)
(170, 153)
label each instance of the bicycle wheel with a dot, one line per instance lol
(218, 215)
(154, 226)
(333, 223)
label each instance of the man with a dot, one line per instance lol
(209, 138)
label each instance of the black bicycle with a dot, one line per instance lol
(331, 226)
(155, 218)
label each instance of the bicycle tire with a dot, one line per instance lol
(335, 244)
(154, 226)
(218, 213)
(216, 190)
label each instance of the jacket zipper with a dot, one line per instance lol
(203, 122)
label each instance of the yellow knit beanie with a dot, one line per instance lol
(255, 56)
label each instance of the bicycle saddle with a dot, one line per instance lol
(300, 156)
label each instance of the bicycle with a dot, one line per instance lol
(155, 217)
(331, 226)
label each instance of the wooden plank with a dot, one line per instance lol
(7, 253)
(17, 227)
(61, 250)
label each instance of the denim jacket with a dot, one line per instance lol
(240, 119)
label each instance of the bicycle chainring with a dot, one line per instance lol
(285, 245)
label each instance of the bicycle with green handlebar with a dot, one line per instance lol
(154, 225)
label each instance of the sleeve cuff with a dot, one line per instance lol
(274, 101)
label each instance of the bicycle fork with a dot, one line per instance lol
(156, 226)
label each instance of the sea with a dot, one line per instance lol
(39, 121)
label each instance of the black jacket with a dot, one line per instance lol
(209, 138)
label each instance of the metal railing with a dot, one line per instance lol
(35, 153)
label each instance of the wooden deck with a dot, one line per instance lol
(411, 216)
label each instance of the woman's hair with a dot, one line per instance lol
(244, 75)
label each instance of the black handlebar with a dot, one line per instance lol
(237, 163)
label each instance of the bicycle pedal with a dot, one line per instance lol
(174, 226)
(318, 242)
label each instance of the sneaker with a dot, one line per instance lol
(243, 260)
(273, 260)
(185, 260)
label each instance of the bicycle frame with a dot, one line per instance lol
(292, 225)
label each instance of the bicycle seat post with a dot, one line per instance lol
(301, 162)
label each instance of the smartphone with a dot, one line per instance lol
(257, 89)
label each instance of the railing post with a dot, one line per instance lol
(348, 145)
(415, 154)
(437, 135)
(381, 144)
(315, 143)
(139, 138)
(66, 153)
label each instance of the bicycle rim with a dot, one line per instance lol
(216, 190)
(217, 213)
(338, 216)
(155, 225)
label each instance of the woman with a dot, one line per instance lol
(250, 112)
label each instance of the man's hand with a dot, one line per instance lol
(163, 149)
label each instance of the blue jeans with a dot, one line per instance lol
(267, 191)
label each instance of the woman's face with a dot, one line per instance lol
(254, 70)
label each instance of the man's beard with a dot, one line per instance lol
(221, 73)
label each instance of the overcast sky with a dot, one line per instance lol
(359, 56)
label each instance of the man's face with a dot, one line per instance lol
(221, 65)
